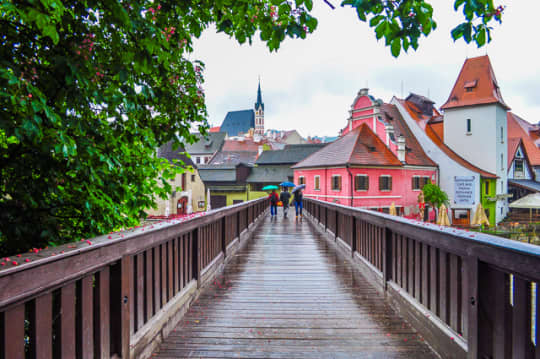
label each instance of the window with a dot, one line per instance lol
(317, 183)
(198, 160)
(518, 166)
(468, 125)
(486, 187)
(419, 182)
(336, 183)
(502, 134)
(361, 183)
(468, 89)
(206, 159)
(301, 180)
(416, 183)
(502, 162)
(385, 183)
(183, 181)
(192, 178)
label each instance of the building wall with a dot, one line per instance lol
(485, 195)
(401, 194)
(448, 168)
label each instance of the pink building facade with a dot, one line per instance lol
(376, 162)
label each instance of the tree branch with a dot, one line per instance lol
(330, 4)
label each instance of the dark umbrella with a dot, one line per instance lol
(287, 184)
(299, 187)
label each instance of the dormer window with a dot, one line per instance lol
(470, 85)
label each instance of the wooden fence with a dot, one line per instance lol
(469, 294)
(109, 296)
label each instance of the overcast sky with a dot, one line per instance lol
(309, 85)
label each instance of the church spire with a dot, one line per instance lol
(259, 102)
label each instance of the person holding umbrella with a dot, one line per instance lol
(285, 197)
(298, 197)
(273, 197)
(273, 203)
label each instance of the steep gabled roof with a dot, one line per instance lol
(167, 151)
(476, 85)
(528, 133)
(513, 145)
(234, 158)
(359, 147)
(291, 154)
(414, 154)
(207, 145)
(432, 130)
(237, 122)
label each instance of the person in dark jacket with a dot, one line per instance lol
(273, 203)
(298, 197)
(285, 198)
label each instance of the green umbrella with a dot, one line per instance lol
(270, 187)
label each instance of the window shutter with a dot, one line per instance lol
(367, 182)
(339, 183)
(389, 183)
(412, 183)
(381, 183)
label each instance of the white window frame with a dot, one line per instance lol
(301, 180)
(361, 190)
(416, 189)
(315, 178)
(332, 184)
(385, 190)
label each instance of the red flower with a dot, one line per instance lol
(27, 260)
(89, 243)
(14, 263)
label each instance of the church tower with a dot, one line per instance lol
(259, 113)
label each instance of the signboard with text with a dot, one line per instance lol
(464, 190)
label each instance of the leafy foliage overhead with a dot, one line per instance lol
(89, 89)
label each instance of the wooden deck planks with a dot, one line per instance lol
(288, 295)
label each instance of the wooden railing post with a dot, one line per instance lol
(472, 311)
(196, 257)
(224, 237)
(387, 256)
(336, 223)
(120, 307)
(238, 231)
(353, 235)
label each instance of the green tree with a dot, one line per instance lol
(434, 195)
(89, 89)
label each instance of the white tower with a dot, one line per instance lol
(259, 113)
(475, 124)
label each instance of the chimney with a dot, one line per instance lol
(401, 148)
(260, 150)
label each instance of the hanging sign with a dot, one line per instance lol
(464, 190)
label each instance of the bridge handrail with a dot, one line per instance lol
(478, 288)
(115, 284)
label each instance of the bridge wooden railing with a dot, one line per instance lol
(469, 294)
(111, 296)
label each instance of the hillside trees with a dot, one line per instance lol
(89, 89)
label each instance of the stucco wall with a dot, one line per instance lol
(194, 191)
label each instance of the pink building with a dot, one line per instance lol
(376, 162)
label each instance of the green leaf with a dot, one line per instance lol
(396, 47)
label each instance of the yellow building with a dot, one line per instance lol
(190, 196)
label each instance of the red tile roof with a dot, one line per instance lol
(528, 133)
(434, 130)
(244, 145)
(359, 147)
(478, 76)
(214, 129)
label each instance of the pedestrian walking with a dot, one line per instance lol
(298, 198)
(273, 203)
(285, 198)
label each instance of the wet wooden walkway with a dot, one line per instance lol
(287, 294)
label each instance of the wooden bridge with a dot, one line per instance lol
(339, 283)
